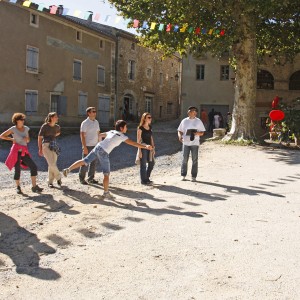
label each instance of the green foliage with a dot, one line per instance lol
(276, 24)
(291, 123)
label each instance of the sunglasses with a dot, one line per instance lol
(93, 111)
(21, 120)
(149, 117)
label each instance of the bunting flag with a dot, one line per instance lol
(136, 23)
(153, 24)
(217, 31)
(161, 27)
(169, 26)
(118, 19)
(53, 9)
(26, 3)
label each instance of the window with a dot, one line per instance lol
(161, 78)
(58, 103)
(32, 59)
(34, 20)
(224, 72)
(169, 108)
(265, 80)
(148, 104)
(31, 101)
(200, 70)
(132, 46)
(131, 69)
(82, 103)
(101, 44)
(78, 36)
(294, 83)
(77, 70)
(100, 75)
(149, 72)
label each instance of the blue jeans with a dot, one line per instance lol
(185, 157)
(144, 171)
(91, 169)
(102, 156)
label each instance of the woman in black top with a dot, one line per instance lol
(144, 135)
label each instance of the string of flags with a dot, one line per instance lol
(137, 24)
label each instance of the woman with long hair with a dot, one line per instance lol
(49, 148)
(19, 155)
(145, 136)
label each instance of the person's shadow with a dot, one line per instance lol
(23, 248)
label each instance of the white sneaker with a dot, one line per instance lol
(66, 172)
(108, 195)
(183, 178)
(194, 179)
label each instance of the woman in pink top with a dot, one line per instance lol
(19, 154)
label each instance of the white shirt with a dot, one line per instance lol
(188, 123)
(91, 129)
(113, 139)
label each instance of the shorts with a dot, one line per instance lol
(102, 156)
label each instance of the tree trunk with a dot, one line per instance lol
(244, 52)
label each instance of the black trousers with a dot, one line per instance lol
(26, 160)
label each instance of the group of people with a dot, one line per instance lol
(96, 147)
(215, 119)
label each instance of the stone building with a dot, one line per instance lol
(208, 82)
(65, 64)
(49, 63)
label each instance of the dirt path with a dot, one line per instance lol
(231, 235)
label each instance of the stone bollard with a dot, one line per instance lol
(219, 133)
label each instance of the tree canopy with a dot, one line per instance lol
(253, 28)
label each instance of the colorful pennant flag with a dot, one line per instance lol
(145, 25)
(136, 23)
(41, 7)
(184, 27)
(96, 17)
(53, 9)
(161, 27)
(176, 27)
(26, 3)
(153, 24)
(118, 19)
(169, 26)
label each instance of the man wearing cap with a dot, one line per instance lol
(189, 132)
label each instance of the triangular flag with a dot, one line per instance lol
(77, 13)
(169, 26)
(65, 11)
(183, 29)
(210, 31)
(136, 23)
(217, 31)
(86, 15)
(145, 25)
(26, 3)
(203, 31)
(118, 19)
(191, 29)
(197, 30)
(153, 24)
(53, 9)
(13, 1)
(161, 27)
(176, 27)
(222, 32)
(41, 7)
(97, 17)
(107, 18)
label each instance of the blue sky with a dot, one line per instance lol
(97, 6)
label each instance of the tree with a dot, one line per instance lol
(253, 28)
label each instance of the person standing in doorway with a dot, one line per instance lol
(89, 134)
(19, 155)
(48, 147)
(189, 132)
(145, 136)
